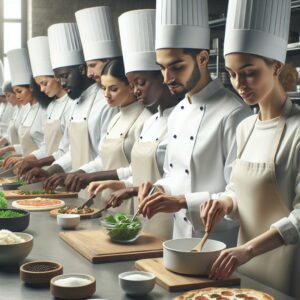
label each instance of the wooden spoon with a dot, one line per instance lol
(200, 245)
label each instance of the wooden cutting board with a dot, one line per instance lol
(15, 195)
(97, 247)
(174, 282)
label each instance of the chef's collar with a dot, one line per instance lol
(35, 105)
(166, 112)
(88, 92)
(131, 107)
(204, 96)
(62, 99)
(287, 108)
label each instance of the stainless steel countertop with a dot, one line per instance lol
(48, 246)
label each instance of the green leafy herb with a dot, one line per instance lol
(121, 228)
(21, 181)
(3, 202)
(10, 214)
(37, 193)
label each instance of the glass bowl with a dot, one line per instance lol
(120, 228)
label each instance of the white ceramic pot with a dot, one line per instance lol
(68, 221)
(178, 258)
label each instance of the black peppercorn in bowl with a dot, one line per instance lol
(40, 272)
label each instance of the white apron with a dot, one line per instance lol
(12, 130)
(53, 133)
(26, 140)
(113, 157)
(260, 204)
(144, 168)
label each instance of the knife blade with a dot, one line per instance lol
(87, 203)
(7, 173)
(37, 186)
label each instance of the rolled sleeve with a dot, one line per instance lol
(93, 166)
(65, 162)
(124, 173)
(193, 201)
(18, 148)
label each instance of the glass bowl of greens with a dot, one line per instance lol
(121, 228)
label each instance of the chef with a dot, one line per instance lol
(137, 32)
(89, 115)
(11, 136)
(6, 108)
(57, 111)
(264, 190)
(30, 132)
(201, 127)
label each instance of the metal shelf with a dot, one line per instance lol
(217, 23)
(295, 96)
(293, 47)
(295, 5)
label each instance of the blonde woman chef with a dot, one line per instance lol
(264, 191)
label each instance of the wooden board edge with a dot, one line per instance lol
(91, 216)
(23, 197)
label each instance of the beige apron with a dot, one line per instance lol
(260, 204)
(79, 140)
(144, 168)
(53, 133)
(26, 140)
(113, 157)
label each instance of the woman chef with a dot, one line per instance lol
(264, 192)
(57, 111)
(137, 38)
(30, 132)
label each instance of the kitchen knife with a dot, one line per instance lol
(37, 186)
(87, 203)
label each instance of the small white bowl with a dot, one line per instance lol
(133, 283)
(68, 221)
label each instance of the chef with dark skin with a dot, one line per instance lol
(201, 128)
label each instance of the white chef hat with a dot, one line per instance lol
(97, 33)
(182, 24)
(259, 27)
(38, 48)
(1, 78)
(137, 33)
(19, 66)
(65, 46)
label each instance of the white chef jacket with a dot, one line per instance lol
(6, 114)
(98, 120)
(57, 109)
(33, 116)
(200, 152)
(116, 127)
(153, 129)
(287, 162)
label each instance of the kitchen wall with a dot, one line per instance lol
(43, 13)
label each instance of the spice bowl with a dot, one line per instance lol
(40, 272)
(14, 219)
(137, 283)
(68, 221)
(73, 286)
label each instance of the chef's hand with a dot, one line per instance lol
(36, 175)
(228, 261)
(27, 165)
(76, 181)
(97, 187)
(11, 160)
(116, 198)
(54, 181)
(6, 149)
(213, 211)
(159, 201)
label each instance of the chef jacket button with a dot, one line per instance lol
(185, 219)
(141, 137)
(182, 107)
(201, 108)
(174, 136)
(156, 118)
(171, 165)
(174, 216)
(84, 119)
(186, 171)
(107, 133)
(121, 134)
(49, 118)
(77, 102)
(156, 139)
(72, 118)
(191, 138)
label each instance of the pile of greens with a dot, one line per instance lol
(21, 181)
(3, 202)
(121, 228)
(10, 214)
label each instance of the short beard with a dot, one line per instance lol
(193, 80)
